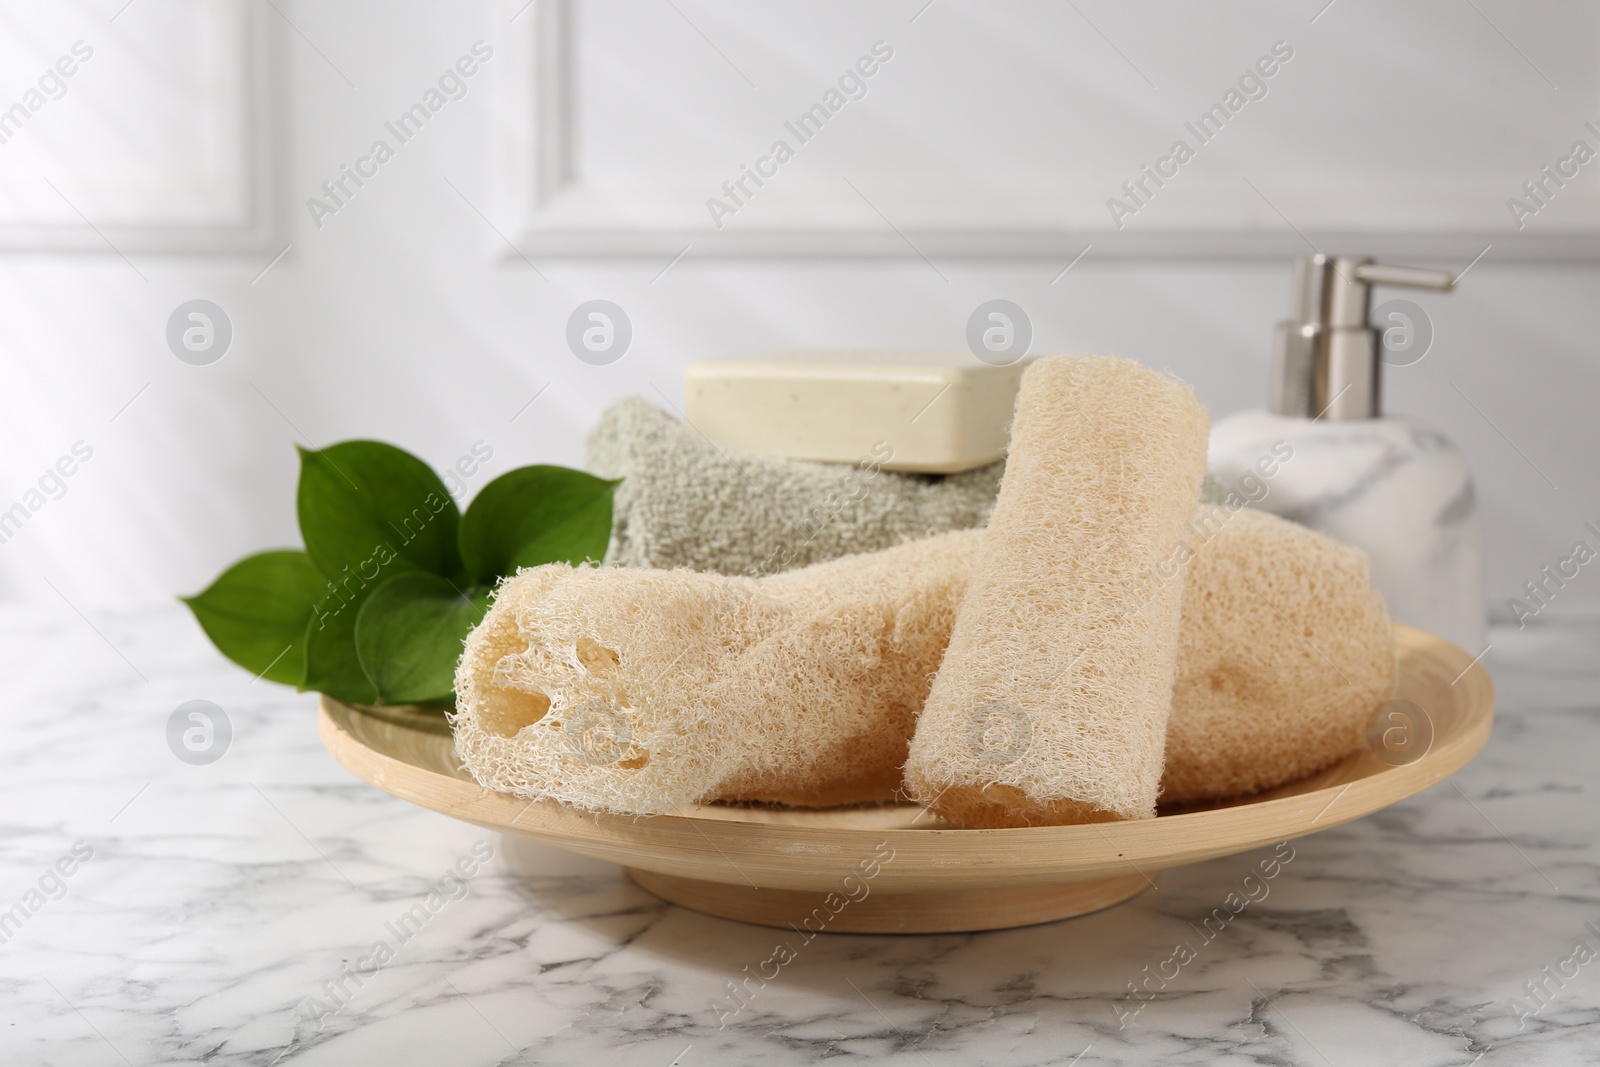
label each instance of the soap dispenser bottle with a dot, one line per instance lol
(1326, 457)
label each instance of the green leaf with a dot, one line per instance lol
(369, 511)
(409, 636)
(256, 613)
(332, 665)
(535, 515)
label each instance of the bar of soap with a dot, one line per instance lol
(935, 413)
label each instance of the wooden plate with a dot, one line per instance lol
(897, 869)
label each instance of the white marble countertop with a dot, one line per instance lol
(219, 904)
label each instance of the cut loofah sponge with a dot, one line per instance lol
(685, 502)
(1051, 704)
(1285, 653)
(626, 690)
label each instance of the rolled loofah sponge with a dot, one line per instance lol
(1051, 704)
(626, 690)
(685, 502)
(1285, 653)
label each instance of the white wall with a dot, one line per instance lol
(404, 317)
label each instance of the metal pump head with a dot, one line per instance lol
(1325, 358)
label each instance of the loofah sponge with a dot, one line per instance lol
(1051, 704)
(685, 502)
(1285, 653)
(627, 690)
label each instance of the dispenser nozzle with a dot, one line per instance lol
(1326, 358)
(1407, 277)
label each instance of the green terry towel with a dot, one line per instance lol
(686, 502)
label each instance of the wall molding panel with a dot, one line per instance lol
(173, 146)
(1230, 208)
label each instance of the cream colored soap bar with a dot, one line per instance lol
(937, 413)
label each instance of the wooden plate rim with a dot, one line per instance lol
(797, 856)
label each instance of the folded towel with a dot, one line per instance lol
(1284, 654)
(1051, 705)
(685, 502)
(631, 690)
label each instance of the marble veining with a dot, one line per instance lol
(221, 901)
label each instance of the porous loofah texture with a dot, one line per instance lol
(1285, 653)
(1051, 704)
(684, 502)
(641, 691)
